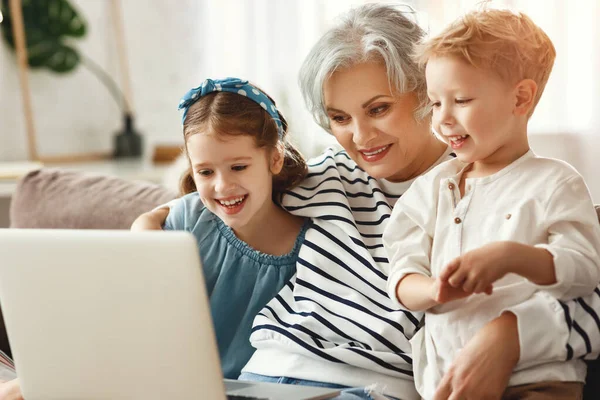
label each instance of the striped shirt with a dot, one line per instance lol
(336, 307)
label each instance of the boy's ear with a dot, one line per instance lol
(277, 158)
(525, 92)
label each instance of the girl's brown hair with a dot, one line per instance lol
(226, 113)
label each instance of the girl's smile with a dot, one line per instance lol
(233, 178)
(233, 205)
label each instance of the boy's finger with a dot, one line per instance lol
(448, 293)
(469, 285)
(449, 269)
(440, 292)
(458, 278)
(482, 287)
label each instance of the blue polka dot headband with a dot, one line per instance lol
(233, 85)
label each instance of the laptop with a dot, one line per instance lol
(99, 314)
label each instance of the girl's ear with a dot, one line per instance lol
(525, 92)
(277, 157)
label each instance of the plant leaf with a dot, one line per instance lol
(57, 18)
(47, 23)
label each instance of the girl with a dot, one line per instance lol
(239, 164)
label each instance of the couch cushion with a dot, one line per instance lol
(59, 199)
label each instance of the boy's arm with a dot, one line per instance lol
(574, 241)
(477, 270)
(414, 291)
(567, 266)
(408, 239)
(566, 329)
(152, 220)
(419, 292)
(523, 257)
(407, 247)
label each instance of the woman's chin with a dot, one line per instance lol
(381, 171)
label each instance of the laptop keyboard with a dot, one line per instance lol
(238, 397)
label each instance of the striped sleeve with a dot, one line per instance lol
(582, 317)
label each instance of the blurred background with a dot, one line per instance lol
(172, 46)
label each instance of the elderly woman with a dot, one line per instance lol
(333, 324)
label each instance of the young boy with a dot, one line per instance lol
(479, 235)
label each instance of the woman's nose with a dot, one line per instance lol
(363, 133)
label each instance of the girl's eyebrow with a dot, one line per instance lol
(232, 159)
(243, 158)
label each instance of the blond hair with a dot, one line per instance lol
(507, 43)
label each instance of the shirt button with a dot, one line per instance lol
(451, 186)
(457, 220)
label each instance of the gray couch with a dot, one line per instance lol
(50, 198)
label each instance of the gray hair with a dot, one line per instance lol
(370, 32)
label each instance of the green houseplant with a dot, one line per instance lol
(48, 24)
(51, 27)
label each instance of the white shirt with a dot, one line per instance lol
(536, 201)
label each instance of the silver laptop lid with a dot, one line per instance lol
(108, 315)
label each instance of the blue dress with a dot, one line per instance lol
(240, 280)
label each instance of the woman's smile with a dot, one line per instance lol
(375, 154)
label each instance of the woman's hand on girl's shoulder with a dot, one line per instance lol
(10, 390)
(152, 220)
